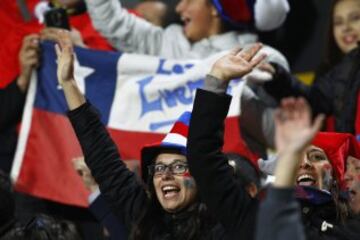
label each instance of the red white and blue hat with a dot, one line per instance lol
(176, 139)
(236, 12)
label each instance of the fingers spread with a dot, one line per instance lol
(235, 51)
(256, 61)
(249, 53)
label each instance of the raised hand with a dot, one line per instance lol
(65, 71)
(237, 63)
(294, 128)
(65, 57)
(51, 33)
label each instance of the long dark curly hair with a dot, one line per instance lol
(192, 223)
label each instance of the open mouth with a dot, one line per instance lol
(306, 180)
(186, 21)
(170, 191)
(350, 39)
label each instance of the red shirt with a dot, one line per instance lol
(14, 29)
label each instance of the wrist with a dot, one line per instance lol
(218, 74)
(68, 83)
(23, 82)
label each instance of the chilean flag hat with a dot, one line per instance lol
(176, 139)
(236, 12)
(338, 146)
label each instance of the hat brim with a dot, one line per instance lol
(150, 152)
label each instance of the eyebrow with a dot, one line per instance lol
(316, 150)
(174, 161)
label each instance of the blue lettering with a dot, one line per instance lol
(180, 93)
(178, 69)
(161, 69)
(195, 85)
(169, 97)
(147, 106)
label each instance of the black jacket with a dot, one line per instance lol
(226, 198)
(335, 93)
(12, 101)
(100, 209)
(121, 188)
(322, 223)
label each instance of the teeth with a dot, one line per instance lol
(169, 188)
(305, 176)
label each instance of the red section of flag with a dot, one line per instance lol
(47, 171)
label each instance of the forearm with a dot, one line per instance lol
(209, 166)
(118, 184)
(125, 31)
(284, 84)
(74, 97)
(286, 168)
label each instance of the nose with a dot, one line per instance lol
(167, 175)
(305, 163)
(180, 7)
(347, 26)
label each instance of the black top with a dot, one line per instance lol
(121, 188)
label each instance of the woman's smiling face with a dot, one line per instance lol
(175, 188)
(315, 169)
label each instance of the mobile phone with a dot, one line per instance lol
(57, 18)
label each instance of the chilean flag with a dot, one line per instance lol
(139, 98)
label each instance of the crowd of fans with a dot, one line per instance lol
(307, 184)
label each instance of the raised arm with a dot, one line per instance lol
(123, 30)
(117, 184)
(225, 198)
(279, 215)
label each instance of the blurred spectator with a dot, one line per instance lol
(334, 93)
(279, 215)
(44, 227)
(352, 179)
(209, 27)
(98, 205)
(245, 173)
